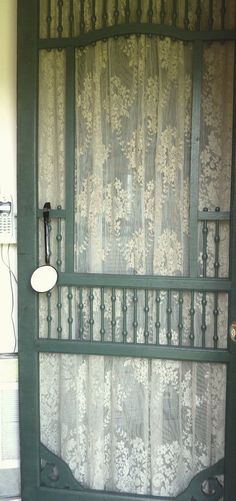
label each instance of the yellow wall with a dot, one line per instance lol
(8, 35)
(9, 474)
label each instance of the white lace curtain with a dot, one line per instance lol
(133, 425)
(133, 120)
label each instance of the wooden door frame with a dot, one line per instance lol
(27, 90)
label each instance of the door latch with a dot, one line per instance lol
(233, 331)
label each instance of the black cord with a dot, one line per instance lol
(11, 274)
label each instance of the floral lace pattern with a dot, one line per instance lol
(133, 149)
(216, 129)
(132, 425)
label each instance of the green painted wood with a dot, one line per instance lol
(102, 309)
(157, 322)
(29, 345)
(146, 310)
(27, 245)
(186, 15)
(202, 215)
(49, 19)
(143, 282)
(70, 158)
(71, 18)
(91, 319)
(136, 29)
(64, 479)
(180, 324)
(124, 309)
(223, 12)
(54, 213)
(45, 494)
(132, 350)
(193, 491)
(81, 315)
(213, 216)
(93, 17)
(195, 157)
(230, 449)
(204, 248)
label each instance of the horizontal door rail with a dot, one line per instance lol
(47, 494)
(194, 488)
(136, 29)
(54, 213)
(202, 215)
(143, 282)
(213, 215)
(132, 350)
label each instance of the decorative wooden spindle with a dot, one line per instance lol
(127, 11)
(174, 13)
(93, 17)
(168, 314)
(192, 314)
(135, 322)
(116, 12)
(70, 313)
(113, 314)
(210, 15)
(223, 13)
(162, 12)
(104, 13)
(49, 19)
(139, 11)
(59, 264)
(124, 309)
(150, 11)
(82, 22)
(91, 319)
(81, 316)
(157, 323)
(204, 245)
(71, 18)
(198, 15)
(180, 324)
(102, 308)
(146, 311)
(60, 25)
(186, 15)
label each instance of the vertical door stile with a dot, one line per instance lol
(195, 156)
(28, 245)
(230, 448)
(70, 158)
